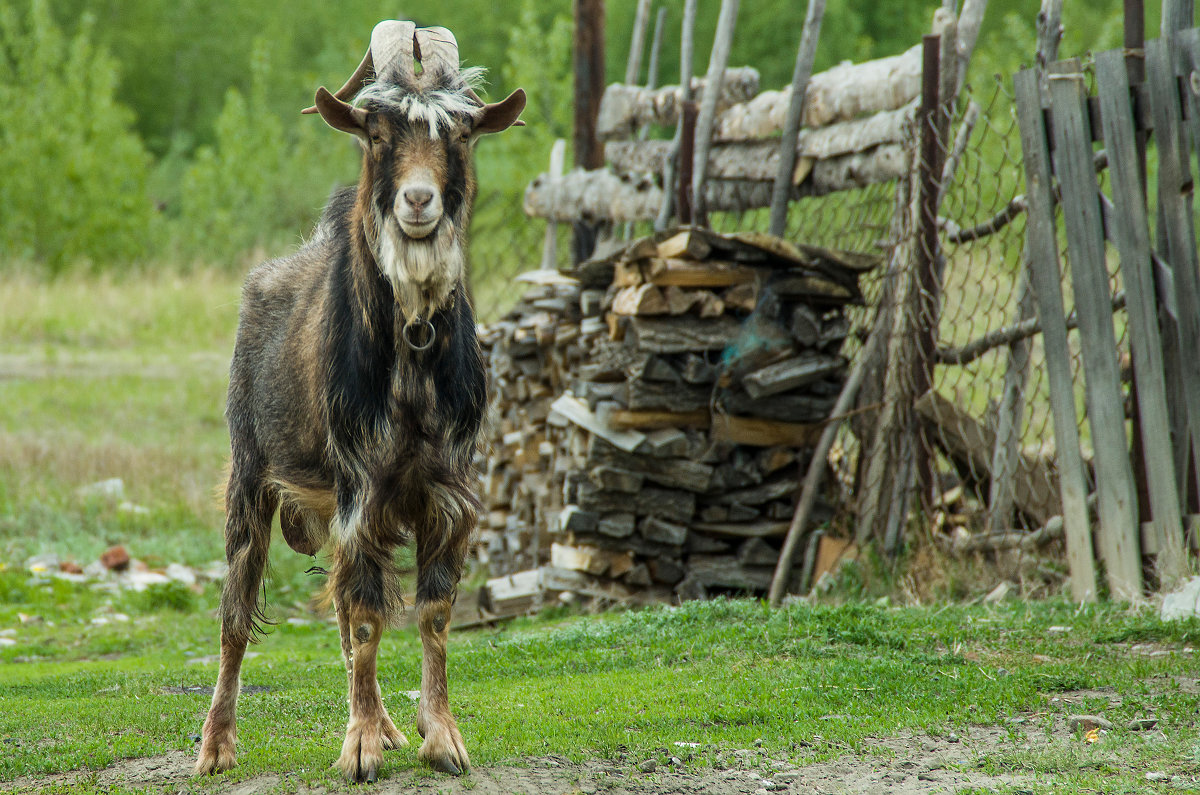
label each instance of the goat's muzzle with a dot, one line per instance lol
(418, 209)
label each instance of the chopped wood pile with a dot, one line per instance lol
(858, 118)
(652, 411)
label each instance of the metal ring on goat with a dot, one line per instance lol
(431, 334)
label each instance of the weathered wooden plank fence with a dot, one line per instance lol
(1064, 120)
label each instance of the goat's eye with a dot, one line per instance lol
(376, 139)
(465, 136)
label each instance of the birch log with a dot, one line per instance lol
(739, 182)
(822, 143)
(625, 108)
(842, 93)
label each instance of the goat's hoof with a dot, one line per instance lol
(216, 756)
(392, 738)
(362, 754)
(444, 751)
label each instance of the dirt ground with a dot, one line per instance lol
(911, 764)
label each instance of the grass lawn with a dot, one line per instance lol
(102, 690)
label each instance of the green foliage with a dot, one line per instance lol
(263, 181)
(72, 173)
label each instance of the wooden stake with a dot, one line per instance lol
(791, 128)
(717, 62)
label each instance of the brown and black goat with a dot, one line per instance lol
(357, 391)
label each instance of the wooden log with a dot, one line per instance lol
(677, 335)
(798, 407)
(626, 108)
(590, 560)
(663, 396)
(839, 94)
(717, 61)
(686, 273)
(678, 473)
(652, 420)
(643, 301)
(969, 443)
(613, 478)
(668, 504)
(616, 525)
(662, 532)
(573, 519)
(603, 195)
(763, 433)
(577, 412)
(685, 244)
(742, 529)
(791, 373)
(753, 159)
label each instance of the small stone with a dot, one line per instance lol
(676, 761)
(181, 573)
(1058, 630)
(649, 766)
(1088, 722)
(999, 593)
(1182, 603)
(70, 567)
(1157, 776)
(195, 737)
(926, 777)
(758, 743)
(4, 642)
(1142, 724)
(115, 558)
(952, 737)
(298, 622)
(787, 777)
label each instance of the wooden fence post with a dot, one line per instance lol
(1132, 235)
(671, 172)
(1047, 287)
(589, 89)
(1089, 278)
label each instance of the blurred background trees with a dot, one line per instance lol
(147, 131)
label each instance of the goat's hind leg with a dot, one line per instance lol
(249, 509)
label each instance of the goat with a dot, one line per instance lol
(357, 390)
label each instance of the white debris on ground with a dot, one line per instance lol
(115, 571)
(1183, 602)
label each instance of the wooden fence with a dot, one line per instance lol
(1059, 122)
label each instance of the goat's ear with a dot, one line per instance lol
(341, 115)
(501, 115)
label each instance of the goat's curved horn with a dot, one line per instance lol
(437, 49)
(392, 44)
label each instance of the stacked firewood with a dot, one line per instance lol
(668, 453)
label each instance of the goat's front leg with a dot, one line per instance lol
(439, 566)
(392, 737)
(360, 594)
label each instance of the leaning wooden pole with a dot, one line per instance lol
(671, 172)
(589, 88)
(805, 56)
(717, 62)
(816, 468)
(637, 43)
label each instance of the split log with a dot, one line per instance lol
(791, 373)
(679, 473)
(763, 433)
(590, 560)
(839, 94)
(794, 407)
(625, 108)
(664, 503)
(577, 412)
(674, 335)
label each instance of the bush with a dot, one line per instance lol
(72, 173)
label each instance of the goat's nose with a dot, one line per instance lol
(418, 197)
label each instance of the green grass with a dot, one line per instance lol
(809, 682)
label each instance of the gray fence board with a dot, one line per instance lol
(1073, 160)
(1174, 196)
(1046, 276)
(1131, 233)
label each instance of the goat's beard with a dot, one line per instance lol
(423, 272)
